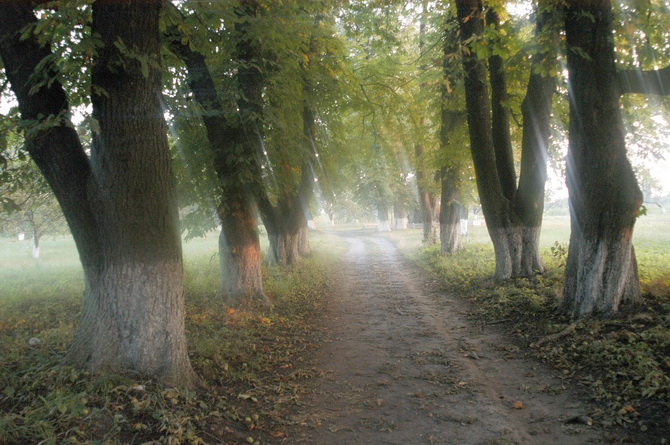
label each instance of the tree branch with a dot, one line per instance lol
(53, 142)
(652, 82)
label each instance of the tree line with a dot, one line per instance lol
(248, 111)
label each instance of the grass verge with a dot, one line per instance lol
(250, 362)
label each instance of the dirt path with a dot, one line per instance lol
(403, 364)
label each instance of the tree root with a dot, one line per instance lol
(556, 336)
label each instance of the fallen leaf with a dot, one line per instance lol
(628, 408)
(518, 404)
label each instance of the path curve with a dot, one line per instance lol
(403, 363)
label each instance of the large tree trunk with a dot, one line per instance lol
(134, 315)
(121, 208)
(502, 138)
(528, 202)
(428, 203)
(494, 204)
(234, 146)
(513, 215)
(451, 174)
(56, 150)
(286, 223)
(601, 270)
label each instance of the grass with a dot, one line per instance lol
(624, 361)
(250, 361)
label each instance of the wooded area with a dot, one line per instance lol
(147, 118)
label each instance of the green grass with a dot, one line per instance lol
(249, 360)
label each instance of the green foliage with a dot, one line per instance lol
(27, 203)
(65, 26)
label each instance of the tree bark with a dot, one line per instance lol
(450, 211)
(427, 200)
(500, 122)
(494, 204)
(36, 244)
(656, 82)
(513, 216)
(121, 208)
(601, 269)
(451, 174)
(383, 218)
(240, 252)
(286, 223)
(528, 203)
(56, 150)
(234, 146)
(400, 215)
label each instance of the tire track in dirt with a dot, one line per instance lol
(402, 364)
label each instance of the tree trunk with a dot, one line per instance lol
(383, 218)
(513, 215)
(304, 247)
(121, 207)
(450, 211)
(502, 138)
(56, 150)
(134, 316)
(427, 201)
(528, 203)
(36, 244)
(286, 223)
(400, 215)
(234, 146)
(494, 204)
(240, 253)
(451, 174)
(601, 270)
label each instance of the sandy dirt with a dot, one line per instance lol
(403, 362)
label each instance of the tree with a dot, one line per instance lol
(512, 209)
(34, 208)
(232, 139)
(454, 165)
(426, 180)
(267, 151)
(120, 203)
(292, 144)
(601, 270)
